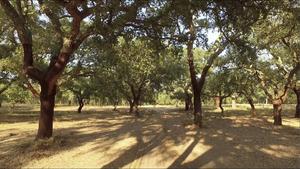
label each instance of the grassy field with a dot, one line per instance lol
(163, 138)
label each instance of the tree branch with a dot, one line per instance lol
(220, 48)
(26, 39)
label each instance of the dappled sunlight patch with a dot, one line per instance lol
(220, 132)
(26, 150)
(281, 151)
(291, 122)
(228, 139)
(119, 140)
(123, 144)
(198, 151)
(160, 156)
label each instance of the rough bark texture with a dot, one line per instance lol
(197, 109)
(277, 108)
(47, 78)
(195, 83)
(198, 82)
(47, 99)
(68, 41)
(297, 92)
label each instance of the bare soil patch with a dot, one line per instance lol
(163, 138)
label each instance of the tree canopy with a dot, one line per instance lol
(122, 51)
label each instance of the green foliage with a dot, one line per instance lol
(115, 69)
(16, 94)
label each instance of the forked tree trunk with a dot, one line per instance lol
(198, 82)
(80, 103)
(68, 44)
(277, 108)
(297, 114)
(251, 103)
(47, 100)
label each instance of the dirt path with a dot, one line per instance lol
(161, 139)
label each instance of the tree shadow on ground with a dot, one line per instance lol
(231, 142)
(242, 144)
(234, 144)
(109, 126)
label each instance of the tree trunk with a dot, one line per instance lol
(220, 106)
(135, 106)
(233, 102)
(0, 103)
(130, 106)
(188, 102)
(253, 110)
(197, 109)
(192, 70)
(188, 99)
(80, 103)
(115, 106)
(277, 108)
(297, 114)
(47, 101)
(217, 102)
(187, 105)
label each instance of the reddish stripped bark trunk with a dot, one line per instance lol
(47, 100)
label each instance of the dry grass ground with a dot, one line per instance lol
(163, 138)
